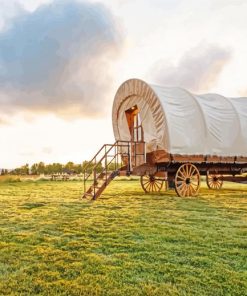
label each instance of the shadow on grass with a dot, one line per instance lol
(34, 205)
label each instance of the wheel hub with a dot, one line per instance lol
(187, 181)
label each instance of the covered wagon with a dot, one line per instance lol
(169, 135)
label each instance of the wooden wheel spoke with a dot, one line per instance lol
(179, 184)
(158, 186)
(184, 191)
(145, 187)
(182, 174)
(187, 170)
(192, 187)
(189, 192)
(191, 171)
(181, 178)
(146, 183)
(194, 173)
(194, 184)
(155, 186)
(150, 187)
(183, 188)
(194, 179)
(193, 190)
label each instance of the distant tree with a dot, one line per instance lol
(26, 169)
(12, 172)
(112, 166)
(54, 168)
(48, 169)
(23, 170)
(34, 169)
(41, 168)
(89, 166)
(78, 169)
(69, 167)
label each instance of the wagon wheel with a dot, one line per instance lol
(214, 181)
(187, 180)
(150, 184)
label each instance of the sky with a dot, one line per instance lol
(61, 62)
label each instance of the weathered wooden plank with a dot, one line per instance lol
(161, 156)
(158, 156)
(144, 169)
(187, 158)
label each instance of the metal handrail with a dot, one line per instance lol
(112, 145)
(116, 145)
(98, 162)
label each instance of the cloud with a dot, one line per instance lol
(198, 70)
(58, 59)
(223, 3)
(47, 150)
(9, 9)
(3, 121)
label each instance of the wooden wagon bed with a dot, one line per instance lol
(183, 172)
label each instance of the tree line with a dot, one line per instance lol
(53, 168)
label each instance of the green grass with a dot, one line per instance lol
(125, 243)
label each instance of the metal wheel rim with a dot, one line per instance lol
(150, 184)
(187, 180)
(213, 181)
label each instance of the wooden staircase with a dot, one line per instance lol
(110, 161)
(99, 185)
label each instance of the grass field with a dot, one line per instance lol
(125, 243)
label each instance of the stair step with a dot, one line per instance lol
(103, 175)
(98, 187)
(122, 173)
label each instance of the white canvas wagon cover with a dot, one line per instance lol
(179, 122)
